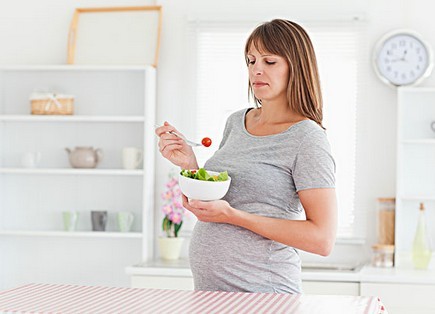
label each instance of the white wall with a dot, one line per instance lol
(35, 32)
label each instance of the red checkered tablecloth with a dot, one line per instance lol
(50, 298)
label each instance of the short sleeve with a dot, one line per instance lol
(226, 132)
(314, 166)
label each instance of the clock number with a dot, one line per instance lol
(420, 59)
(412, 74)
(389, 68)
(418, 67)
(403, 76)
(418, 50)
(402, 43)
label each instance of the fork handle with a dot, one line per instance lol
(185, 139)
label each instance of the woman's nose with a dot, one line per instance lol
(257, 69)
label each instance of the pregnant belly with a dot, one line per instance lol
(217, 245)
(230, 258)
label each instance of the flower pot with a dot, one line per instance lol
(170, 248)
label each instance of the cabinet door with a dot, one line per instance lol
(162, 282)
(403, 298)
(330, 287)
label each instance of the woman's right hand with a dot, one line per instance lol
(174, 148)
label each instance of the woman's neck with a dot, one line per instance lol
(272, 114)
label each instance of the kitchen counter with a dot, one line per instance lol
(366, 273)
(406, 275)
(50, 298)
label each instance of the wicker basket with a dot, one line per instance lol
(50, 103)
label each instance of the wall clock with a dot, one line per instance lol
(402, 57)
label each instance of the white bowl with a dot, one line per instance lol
(204, 190)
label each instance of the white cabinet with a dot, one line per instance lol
(114, 108)
(330, 287)
(415, 166)
(162, 274)
(402, 298)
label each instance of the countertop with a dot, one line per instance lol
(365, 273)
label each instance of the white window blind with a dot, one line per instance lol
(221, 83)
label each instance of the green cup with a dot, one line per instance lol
(125, 221)
(70, 220)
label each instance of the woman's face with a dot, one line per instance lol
(268, 75)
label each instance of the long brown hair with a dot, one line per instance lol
(290, 41)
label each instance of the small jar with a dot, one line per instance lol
(383, 255)
(386, 220)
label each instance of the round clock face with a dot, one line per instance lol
(403, 59)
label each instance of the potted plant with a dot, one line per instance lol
(173, 211)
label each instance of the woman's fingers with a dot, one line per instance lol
(169, 150)
(186, 202)
(164, 129)
(170, 140)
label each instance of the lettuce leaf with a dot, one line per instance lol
(202, 174)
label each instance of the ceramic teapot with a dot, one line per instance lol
(84, 156)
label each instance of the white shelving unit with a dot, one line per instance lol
(415, 166)
(114, 108)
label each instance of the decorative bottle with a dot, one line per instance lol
(421, 250)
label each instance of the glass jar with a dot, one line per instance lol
(386, 220)
(383, 255)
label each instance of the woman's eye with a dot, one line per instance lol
(270, 62)
(251, 61)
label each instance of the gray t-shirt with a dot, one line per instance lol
(266, 172)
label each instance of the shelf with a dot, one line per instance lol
(73, 234)
(71, 67)
(117, 103)
(67, 118)
(416, 198)
(59, 171)
(419, 141)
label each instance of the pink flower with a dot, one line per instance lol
(167, 209)
(177, 204)
(176, 193)
(176, 218)
(172, 183)
(167, 195)
(172, 208)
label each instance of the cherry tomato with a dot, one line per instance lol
(206, 141)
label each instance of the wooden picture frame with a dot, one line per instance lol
(103, 38)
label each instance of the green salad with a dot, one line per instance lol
(202, 174)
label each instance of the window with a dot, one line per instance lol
(221, 81)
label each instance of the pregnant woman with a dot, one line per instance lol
(282, 195)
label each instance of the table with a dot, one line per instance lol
(54, 298)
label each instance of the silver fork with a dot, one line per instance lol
(189, 142)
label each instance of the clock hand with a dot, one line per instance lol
(404, 55)
(401, 58)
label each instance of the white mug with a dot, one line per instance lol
(31, 159)
(131, 157)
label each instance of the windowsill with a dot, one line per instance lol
(350, 240)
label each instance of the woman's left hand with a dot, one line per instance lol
(209, 211)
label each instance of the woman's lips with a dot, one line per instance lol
(259, 84)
